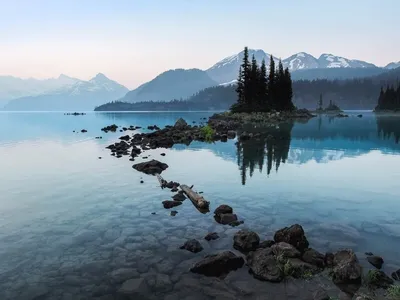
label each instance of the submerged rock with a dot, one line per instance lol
(223, 209)
(217, 265)
(192, 245)
(225, 219)
(211, 236)
(293, 235)
(346, 268)
(264, 266)
(376, 261)
(134, 288)
(150, 167)
(246, 241)
(170, 203)
(173, 213)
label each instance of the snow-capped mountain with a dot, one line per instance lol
(393, 65)
(226, 70)
(81, 95)
(300, 61)
(332, 61)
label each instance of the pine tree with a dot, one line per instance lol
(271, 82)
(254, 85)
(263, 82)
(320, 104)
(246, 79)
(279, 87)
(288, 91)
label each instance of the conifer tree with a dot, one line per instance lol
(254, 85)
(288, 91)
(271, 82)
(263, 81)
(320, 104)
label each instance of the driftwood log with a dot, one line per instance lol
(197, 200)
(162, 181)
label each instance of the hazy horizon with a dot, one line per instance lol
(132, 42)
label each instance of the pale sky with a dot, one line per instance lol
(132, 41)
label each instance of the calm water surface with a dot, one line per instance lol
(73, 226)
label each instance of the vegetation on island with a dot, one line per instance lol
(332, 107)
(259, 92)
(389, 99)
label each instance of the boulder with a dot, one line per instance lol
(150, 167)
(223, 209)
(285, 250)
(170, 203)
(396, 275)
(313, 257)
(293, 235)
(211, 236)
(173, 213)
(376, 261)
(218, 264)
(192, 246)
(346, 268)
(266, 244)
(246, 241)
(328, 260)
(125, 138)
(179, 197)
(180, 124)
(231, 134)
(83, 130)
(225, 219)
(264, 266)
(299, 268)
(378, 279)
(321, 294)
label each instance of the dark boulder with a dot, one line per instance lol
(293, 235)
(211, 236)
(150, 167)
(236, 223)
(173, 213)
(285, 250)
(223, 209)
(179, 197)
(231, 134)
(328, 260)
(378, 279)
(225, 219)
(83, 130)
(360, 116)
(313, 257)
(125, 138)
(346, 268)
(396, 275)
(264, 266)
(266, 244)
(112, 128)
(180, 124)
(192, 246)
(246, 241)
(170, 204)
(376, 261)
(217, 265)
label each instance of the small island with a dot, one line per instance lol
(332, 108)
(389, 100)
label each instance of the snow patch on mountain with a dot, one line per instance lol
(393, 65)
(300, 61)
(232, 82)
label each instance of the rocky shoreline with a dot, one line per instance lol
(288, 254)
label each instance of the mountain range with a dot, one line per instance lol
(66, 93)
(74, 95)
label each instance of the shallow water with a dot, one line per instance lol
(73, 226)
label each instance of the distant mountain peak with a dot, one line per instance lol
(100, 76)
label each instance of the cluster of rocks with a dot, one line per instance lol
(75, 114)
(153, 127)
(151, 167)
(112, 128)
(224, 215)
(288, 254)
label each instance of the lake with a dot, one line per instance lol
(73, 226)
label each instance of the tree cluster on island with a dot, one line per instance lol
(332, 107)
(259, 92)
(389, 99)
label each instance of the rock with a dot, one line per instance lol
(321, 294)
(313, 257)
(180, 124)
(293, 235)
(264, 266)
(134, 288)
(218, 264)
(225, 219)
(153, 213)
(162, 154)
(123, 274)
(396, 275)
(170, 203)
(173, 213)
(369, 253)
(346, 268)
(125, 138)
(244, 136)
(300, 268)
(328, 260)
(378, 279)
(174, 189)
(179, 197)
(246, 241)
(211, 236)
(141, 181)
(360, 116)
(99, 157)
(223, 209)
(231, 134)
(163, 282)
(83, 130)
(112, 128)
(285, 250)
(150, 167)
(192, 246)
(235, 223)
(376, 261)
(266, 244)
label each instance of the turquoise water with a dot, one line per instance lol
(70, 222)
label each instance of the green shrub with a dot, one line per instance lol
(207, 132)
(394, 292)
